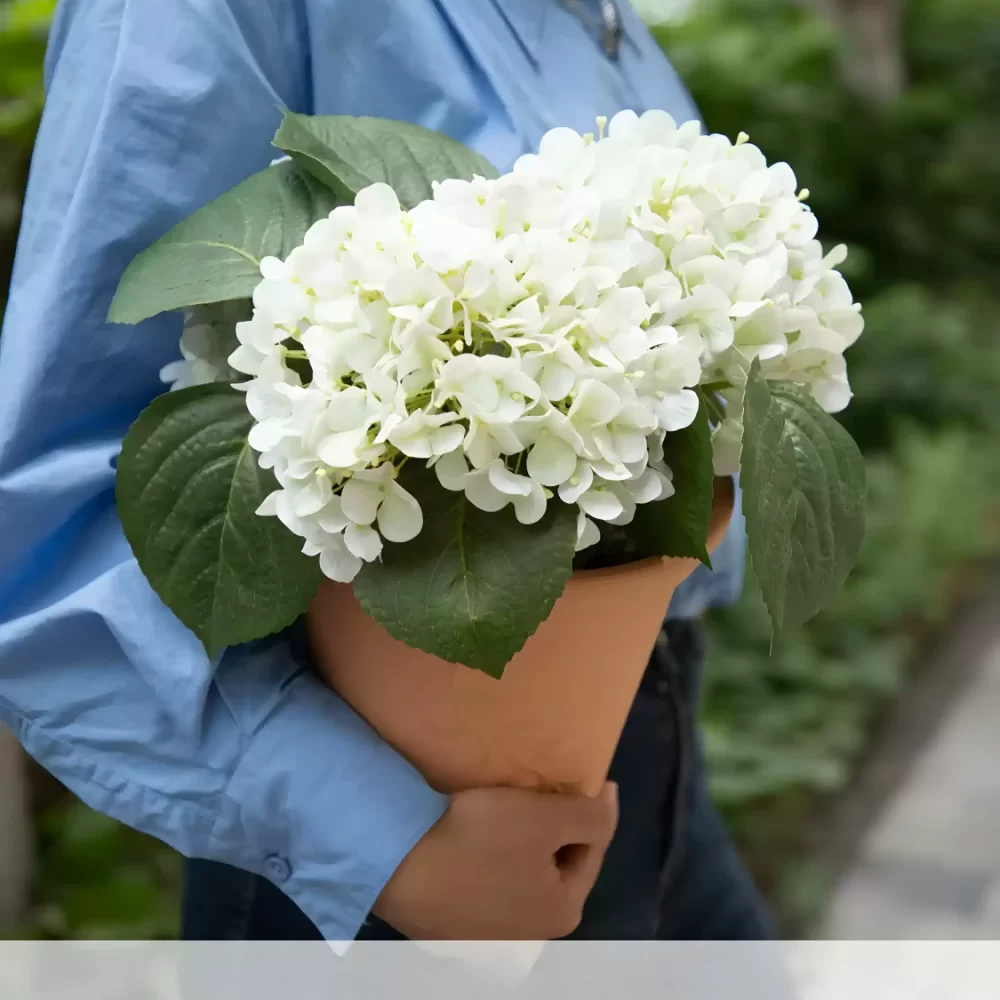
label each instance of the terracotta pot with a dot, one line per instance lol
(552, 721)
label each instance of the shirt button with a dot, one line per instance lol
(277, 868)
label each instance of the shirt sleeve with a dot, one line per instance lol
(153, 110)
(722, 585)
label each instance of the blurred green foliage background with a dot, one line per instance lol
(909, 177)
(903, 166)
(23, 26)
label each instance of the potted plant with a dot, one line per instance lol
(478, 428)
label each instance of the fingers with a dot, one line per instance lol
(579, 866)
(580, 863)
(578, 819)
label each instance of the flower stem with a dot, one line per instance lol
(716, 413)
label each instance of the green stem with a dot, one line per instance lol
(715, 386)
(716, 413)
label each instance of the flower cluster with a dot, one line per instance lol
(536, 336)
(206, 343)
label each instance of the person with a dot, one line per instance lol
(300, 821)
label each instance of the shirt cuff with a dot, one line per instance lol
(318, 803)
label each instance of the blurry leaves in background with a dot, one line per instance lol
(915, 183)
(796, 719)
(23, 30)
(101, 880)
(912, 185)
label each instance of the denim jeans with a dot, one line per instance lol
(671, 872)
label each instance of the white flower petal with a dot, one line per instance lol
(556, 380)
(332, 518)
(648, 487)
(628, 511)
(481, 493)
(446, 439)
(176, 372)
(551, 461)
(377, 200)
(508, 482)
(624, 125)
(312, 497)
(268, 434)
(601, 504)
(360, 500)
(595, 403)
(836, 256)
(656, 126)
(630, 344)
(281, 302)
(561, 149)
(342, 450)
(587, 533)
(612, 473)
(677, 410)
(400, 517)
(415, 444)
(244, 359)
(629, 444)
(531, 508)
(833, 394)
(666, 483)
(269, 505)
(337, 562)
(480, 446)
(577, 484)
(273, 268)
(348, 409)
(451, 470)
(363, 542)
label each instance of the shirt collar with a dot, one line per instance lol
(526, 19)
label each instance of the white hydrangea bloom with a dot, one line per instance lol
(536, 336)
(207, 339)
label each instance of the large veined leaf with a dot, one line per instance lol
(803, 482)
(214, 255)
(472, 587)
(678, 525)
(348, 154)
(187, 487)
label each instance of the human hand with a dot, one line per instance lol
(502, 864)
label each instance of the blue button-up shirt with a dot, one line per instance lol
(153, 110)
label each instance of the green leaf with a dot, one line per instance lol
(188, 486)
(803, 482)
(472, 587)
(214, 255)
(678, 525)
(347, 154)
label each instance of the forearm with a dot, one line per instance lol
(152, 112)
